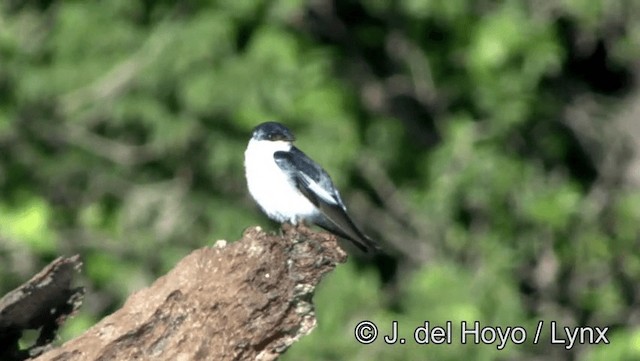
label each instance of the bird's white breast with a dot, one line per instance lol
(270, 187)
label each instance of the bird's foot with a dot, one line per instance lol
(286, 227)
(300, 227)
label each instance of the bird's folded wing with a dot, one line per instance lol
(308, 176)
(315, 184)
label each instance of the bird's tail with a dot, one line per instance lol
(359, 239)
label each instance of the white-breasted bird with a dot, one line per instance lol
(290, 187)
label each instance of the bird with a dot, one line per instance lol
(290, 187)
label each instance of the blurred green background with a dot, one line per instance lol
(492, 147)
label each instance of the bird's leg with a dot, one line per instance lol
(295, 224)
(285, 227)
(299, 226)
(302, 225)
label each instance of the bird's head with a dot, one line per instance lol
(272, 131)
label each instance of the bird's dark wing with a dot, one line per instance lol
(315, 184)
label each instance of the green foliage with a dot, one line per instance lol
(27, 222)
(479, 141)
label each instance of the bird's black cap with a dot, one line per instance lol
(272, 131)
